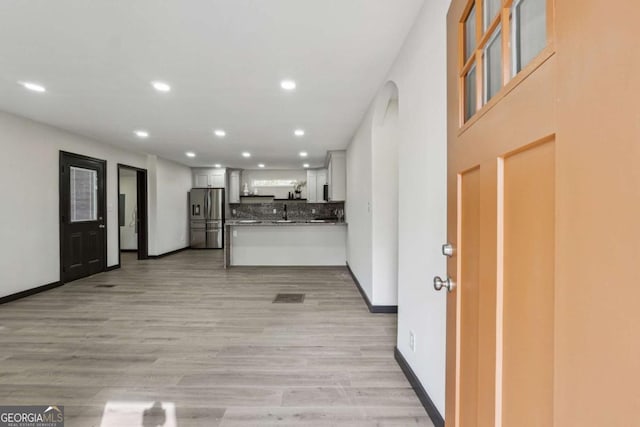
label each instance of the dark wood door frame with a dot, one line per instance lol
(143, 210)
(62, 198)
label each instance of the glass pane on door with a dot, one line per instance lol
(83, 194)
(529, 21)
(470, 34)
(491, 8)
(493, 65)
(470, 90)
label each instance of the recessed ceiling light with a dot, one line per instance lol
(246, 154)
(217, 165)
(260, 165)
(220, 133)
(299, 132)
(161, 86)
(142, 134)
(303, 154)
(190, 154)
(288, 84)
(33, 86)
(306, 165)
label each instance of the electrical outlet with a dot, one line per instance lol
(313, 211)
(233, 211)
(412, 341)
(235, 233)
(275, 211)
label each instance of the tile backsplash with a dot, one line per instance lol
(295, 210)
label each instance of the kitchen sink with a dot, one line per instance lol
(317, 221)
(249, 221)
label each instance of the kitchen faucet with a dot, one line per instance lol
(284, 215)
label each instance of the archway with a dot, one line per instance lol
(385, 188)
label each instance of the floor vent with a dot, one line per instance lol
(289, 299)
(105, 286)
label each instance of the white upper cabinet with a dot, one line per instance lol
(312, 191)
(209, 178)
(316, 179)
(200, 179)
(217, 178)
(321, 180)
(337, 176)
(234, 186)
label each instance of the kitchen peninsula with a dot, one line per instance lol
(311, 235)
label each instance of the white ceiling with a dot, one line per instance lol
(224, 60)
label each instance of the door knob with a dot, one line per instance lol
(438, 284)
(101, 226)
(448, 250)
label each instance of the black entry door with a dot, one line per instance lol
(83, 248)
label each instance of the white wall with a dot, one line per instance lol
(420, 74)
(384, 227)
(358, 205)
(171, 184)
(152, 194)
(372, 170)
(250, 175)
(29, 176)
(128, 187)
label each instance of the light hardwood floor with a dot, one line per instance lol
(185, 332)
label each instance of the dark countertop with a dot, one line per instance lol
(268, 222)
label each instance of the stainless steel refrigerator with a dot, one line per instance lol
(207, 218)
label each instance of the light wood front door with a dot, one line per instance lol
(501, 312)
(543, 208)
(502, 224)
